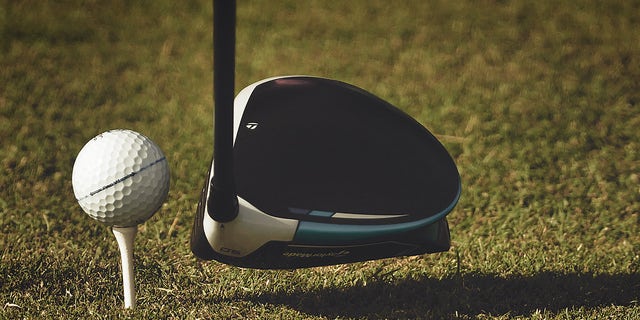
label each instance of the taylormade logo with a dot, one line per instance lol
(336, 254)
(252, 125)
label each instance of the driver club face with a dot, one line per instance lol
(327, 173)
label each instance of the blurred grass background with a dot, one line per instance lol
(538, 102)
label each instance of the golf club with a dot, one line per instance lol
(310, 171)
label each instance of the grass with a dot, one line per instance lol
(538, 102)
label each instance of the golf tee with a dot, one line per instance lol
(125, 237)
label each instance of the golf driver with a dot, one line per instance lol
(310, 171)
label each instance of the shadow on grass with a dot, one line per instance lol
(467, 296)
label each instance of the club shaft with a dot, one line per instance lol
(223, 202)
(125, 237)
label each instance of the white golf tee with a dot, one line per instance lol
(125, 237)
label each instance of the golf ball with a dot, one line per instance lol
(120, 178)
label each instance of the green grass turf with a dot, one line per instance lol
(538, 102)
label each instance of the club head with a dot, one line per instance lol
(327, 173)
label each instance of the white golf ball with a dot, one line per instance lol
(120, 178)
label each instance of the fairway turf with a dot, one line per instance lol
(538, 102)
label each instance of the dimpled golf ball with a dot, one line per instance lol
(120, 178)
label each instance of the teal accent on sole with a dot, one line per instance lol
(324, 234)
(318, 213)
(317, 233)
